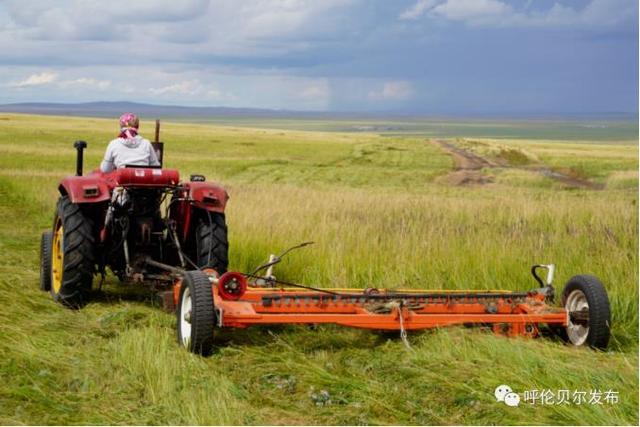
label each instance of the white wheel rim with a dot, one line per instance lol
(577, 333)
(185, 317)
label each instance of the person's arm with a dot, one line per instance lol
(108, 164)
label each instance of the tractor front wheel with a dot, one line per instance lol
(587, 305)
(72, 255)
(195, 313)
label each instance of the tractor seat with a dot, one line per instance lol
(132, 176)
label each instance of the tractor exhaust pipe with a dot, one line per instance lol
(80, 146)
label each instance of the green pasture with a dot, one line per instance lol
(382, 215)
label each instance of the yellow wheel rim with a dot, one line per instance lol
(57, 257)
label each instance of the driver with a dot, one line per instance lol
(129, 148)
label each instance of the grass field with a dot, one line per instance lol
(577, 129)
(383, 214)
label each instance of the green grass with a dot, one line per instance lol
(380, 217)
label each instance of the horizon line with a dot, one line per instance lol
(395, 113)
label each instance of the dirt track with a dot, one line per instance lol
(467, 166)
(468, 169)
(465, 160)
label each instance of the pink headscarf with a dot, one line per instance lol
(129, 124)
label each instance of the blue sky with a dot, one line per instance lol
(420, 56)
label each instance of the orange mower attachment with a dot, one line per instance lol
(205, 302)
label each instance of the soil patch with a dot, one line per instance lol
(467, 169)
(569, 179)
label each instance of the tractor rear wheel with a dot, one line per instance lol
(585, 299)
(72, 255)
(195, 313)
(212, 245)
(46, 241)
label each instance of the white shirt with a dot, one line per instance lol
(133, 151)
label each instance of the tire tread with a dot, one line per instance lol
(599, 308)
(202, 313)
(46, 242)
(212, 245)
(79, 254)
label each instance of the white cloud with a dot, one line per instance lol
(181, 88)
(499, 13)
(214, 27)
(86, 82)
(392, 91)
(155, 10)
(189, 89)
(39, 79)
(315, 91)
(472, 10)
(51, 80)
(89, 19)
(287, 92)
(418, 9)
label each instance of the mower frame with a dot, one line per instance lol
(239, 303)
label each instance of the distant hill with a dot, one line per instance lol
(114, 109)
(110, 109)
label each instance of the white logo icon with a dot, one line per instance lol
(504, 394)
(512, 399)
(501, 392)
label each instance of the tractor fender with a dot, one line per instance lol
(85, 189)
(208, 196)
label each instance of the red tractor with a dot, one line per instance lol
(142, 223)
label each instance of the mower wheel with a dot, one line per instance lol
(45, 260)
(72, 255)
(212, 245)
(587, 303)
(195, 313)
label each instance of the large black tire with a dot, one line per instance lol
(596, 330)
(73, 286)
(195, 314)
(212, 245)
(45, 260)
